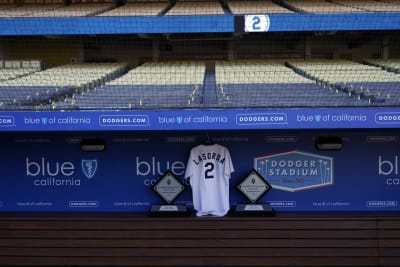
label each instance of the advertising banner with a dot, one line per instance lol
(50, 172)
(193, 119)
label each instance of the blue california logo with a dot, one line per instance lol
(89, 167)
(295, 170)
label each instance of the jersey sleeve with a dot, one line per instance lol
(228, 167)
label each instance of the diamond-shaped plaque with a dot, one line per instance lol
(168, 187)
(254, 186)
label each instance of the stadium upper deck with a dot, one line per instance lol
(199, 54)
(160, 16)
(186, 8)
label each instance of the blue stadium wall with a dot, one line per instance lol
(48, 171)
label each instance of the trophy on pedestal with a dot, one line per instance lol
(254, 187)
(168, 188)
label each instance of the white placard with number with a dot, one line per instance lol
(256, 23)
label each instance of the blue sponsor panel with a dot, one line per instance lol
(224, 119)
(44, 171)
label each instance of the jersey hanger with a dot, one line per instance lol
(208, 141)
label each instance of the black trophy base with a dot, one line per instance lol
(254, 209)
(167, 210)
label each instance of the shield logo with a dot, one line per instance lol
(89, 167)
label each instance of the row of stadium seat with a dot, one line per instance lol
(21, 64)
(154, 8)
(48, 86)
(76, 10)
(255, 71)
(371, 5)
(180, 84)
(164, 73)
(151, 85)
(15, 97)
(85, 74)
(12, 69)
(272, 84)
(194, 8)
(355, 79)
(47, 2)
(256, 7)
(343, 6)
(318, 6)
(137, 9)
(134, 97)
(54, 10)
(392, 65)
(11, 74)
(283, 95)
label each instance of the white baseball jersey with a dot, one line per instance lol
(209, 168)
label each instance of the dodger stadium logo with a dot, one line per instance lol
(295, 170)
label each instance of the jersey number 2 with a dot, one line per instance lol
(256, 23)
(208, 172)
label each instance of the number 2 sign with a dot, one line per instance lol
(256, 23)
